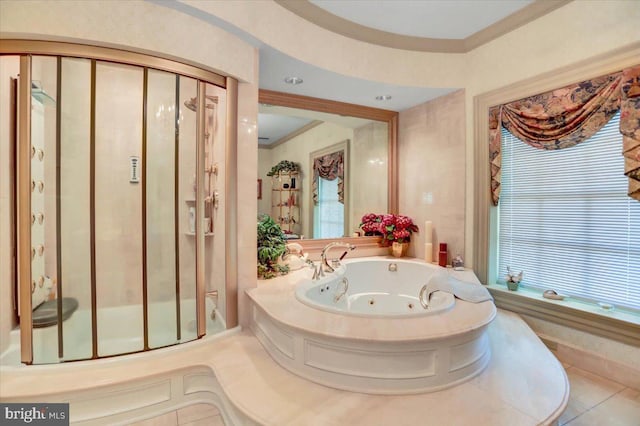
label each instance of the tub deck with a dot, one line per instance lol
(377, 354)
(277, 298)
(523, 385)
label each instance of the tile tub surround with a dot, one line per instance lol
(374, 355)
(522, 385)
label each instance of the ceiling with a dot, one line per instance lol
(427, 25)
(324, 84)
(276, 123)
(446, 19)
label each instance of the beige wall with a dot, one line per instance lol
(369, 159)
(432, 171)
(140, 25)
(247, 165)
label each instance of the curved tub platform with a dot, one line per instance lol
(522, 385)
(374, 354)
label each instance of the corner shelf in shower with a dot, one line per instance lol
(38, 93)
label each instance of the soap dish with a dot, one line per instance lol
(551, 294)
(606, 306)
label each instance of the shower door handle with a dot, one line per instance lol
(216, 199)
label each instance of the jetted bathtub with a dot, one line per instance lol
(375, 288)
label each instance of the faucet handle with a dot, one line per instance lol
(318, 271)
(335, 263)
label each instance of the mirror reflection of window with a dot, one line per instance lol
(365, 144)
(329, 212)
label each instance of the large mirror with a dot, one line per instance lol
(323, 164)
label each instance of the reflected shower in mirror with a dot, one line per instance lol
(340, 169)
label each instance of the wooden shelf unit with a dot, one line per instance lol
(285, 202)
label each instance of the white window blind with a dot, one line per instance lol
(565, 219)
(329, 212)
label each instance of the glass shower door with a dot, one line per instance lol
(113, 167)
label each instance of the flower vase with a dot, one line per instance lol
(512, 285)
(399, 249)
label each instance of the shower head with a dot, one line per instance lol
(192, 103)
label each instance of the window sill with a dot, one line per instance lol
(618, 324)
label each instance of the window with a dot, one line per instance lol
(329, 212)
(565, 219)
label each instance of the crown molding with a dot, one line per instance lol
(316, 15)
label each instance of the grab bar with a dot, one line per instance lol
(337, 297)
(423, 290)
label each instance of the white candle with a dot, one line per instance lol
(428, 232)
(428, 252)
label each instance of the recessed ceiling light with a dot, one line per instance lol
(293, 80)
(383, 97)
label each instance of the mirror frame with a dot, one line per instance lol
(271, 97)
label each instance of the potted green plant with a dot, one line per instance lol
(284, 166)
(271, 245)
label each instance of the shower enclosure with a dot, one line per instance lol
(119, 167)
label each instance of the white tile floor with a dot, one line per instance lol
(597, 401)
(594, 401)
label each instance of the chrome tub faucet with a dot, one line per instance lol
(335, 262)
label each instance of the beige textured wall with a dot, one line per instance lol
(247, 166)
(133, 25)
(369, 161)
(432, 171)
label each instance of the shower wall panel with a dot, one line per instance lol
(75, 214)
(43, 190)
(215, 265)
(118, 202)
(186, 184)
(160, 212)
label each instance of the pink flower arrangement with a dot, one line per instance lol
(392, 228)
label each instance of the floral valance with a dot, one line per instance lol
(564, 117)
(329, 167)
